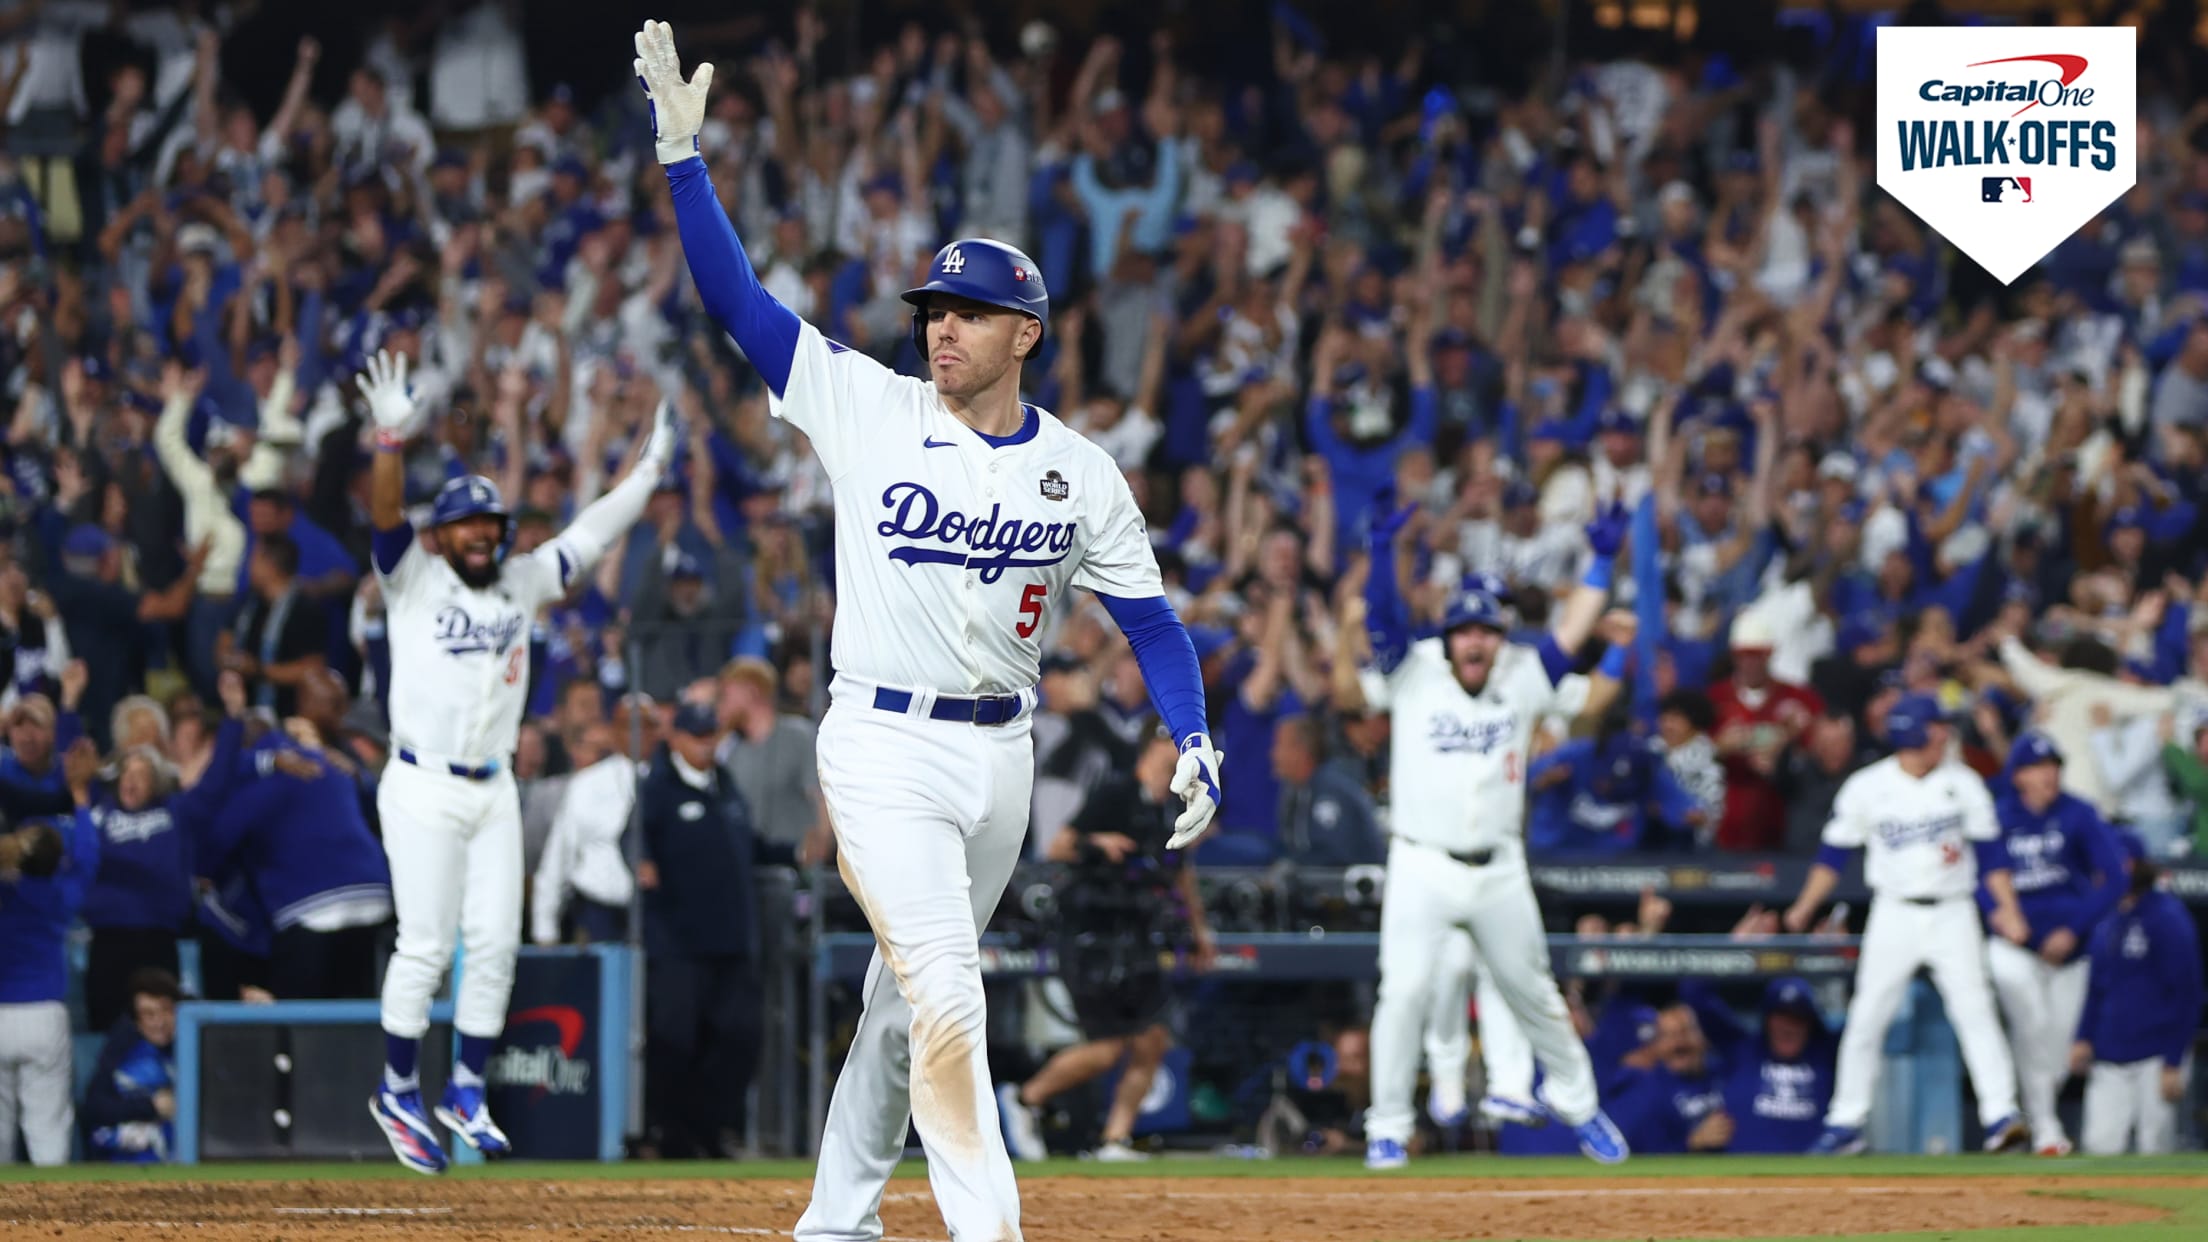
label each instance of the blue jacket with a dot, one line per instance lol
(2065, 862)
(2145, 995)
(35, 914)
(304, 843)
(1616, 787)
(703, 846)
(146, 855)
(1657, 1109)
(1777, 1106)
(119, 1119)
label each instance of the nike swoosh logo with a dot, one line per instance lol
(932, 442)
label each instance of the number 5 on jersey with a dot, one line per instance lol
(1031, 610)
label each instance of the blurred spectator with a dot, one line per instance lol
(2187, 766)
(1326, 817)
(769, 752)
(1677, 1104)
(43, 875)
(1759, 721)
(582, 884)
(104, 618)
(702, 1024)
(2083, 693)
(685, 627)
(130, 1104)
(280, 636)
(1811, 777)
(205, 488)
(1778, 1070)
(2137, 1055)
(1609, 792)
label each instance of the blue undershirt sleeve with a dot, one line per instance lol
(388, 547)
(1992, 856)
(1834, 857)
(1555, 661)
(762, 327)
(1167, 658)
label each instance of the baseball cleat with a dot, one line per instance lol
(1502, 1109)
(1840, 1141)
(465, 1114)
(1386, 1154)
(1118, 1152)
(2008, 1134)
(2059, 1147)
(400, 1116)
(1600, 1141)
(1023, 1130)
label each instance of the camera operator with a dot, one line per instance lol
(1124, 905)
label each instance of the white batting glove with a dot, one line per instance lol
(678, 107)
(659, 450)
(393, 408)
(1196, 780)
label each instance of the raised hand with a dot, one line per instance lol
(393, 408)
(659, 450)
(1606, 534)
(1387, 520)
(678, 106)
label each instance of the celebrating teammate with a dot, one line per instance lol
(459, 622)
(1466, 703)
(963, 516)
(2068, 870)
(1929, 829)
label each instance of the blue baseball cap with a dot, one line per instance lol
(2130, 517)
(1617, 420)
(685, 566)
(88, 541)
(1551, 429)
(697, 720)
(1519, 494)
(572, 166)
(2033, 746)
(1713, 484)
(1790, 994)
(1909, 721)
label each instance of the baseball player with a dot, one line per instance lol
(458, 612)
(1928, 824)
(1466, 703)
(2142, 1008)
(1506, 1059)
(963, 517)
(2068, 870)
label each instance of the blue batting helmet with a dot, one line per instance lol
(983, 271)
(473, 496)
(1909, 721)
(1474, 605)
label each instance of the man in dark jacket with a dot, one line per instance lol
(701, 936)
(1326, 818)
(130, 1104)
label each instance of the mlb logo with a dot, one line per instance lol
(2004, 189)
(1019, 273)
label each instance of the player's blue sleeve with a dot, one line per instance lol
(1387, 621)
(2177, 942)
(763, 328)
(2104, 859)
(1167, 659)
(1555, 661)
(388, 547)
(1834, 856)
(2101, 955)
(1992, 855)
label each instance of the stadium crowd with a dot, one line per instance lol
(1287, 287)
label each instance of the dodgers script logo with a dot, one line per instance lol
(2006, 140)
(1453, 736)
(461, 634)
(991, 542)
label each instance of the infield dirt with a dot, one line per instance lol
(1072, 1208)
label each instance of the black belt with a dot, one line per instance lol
(481, 772)
(1472, 858)
(986, 709)
(1929, 901)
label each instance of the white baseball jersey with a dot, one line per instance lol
(1917, 834)
(460, 657)
(950, 550)
(1458, 761)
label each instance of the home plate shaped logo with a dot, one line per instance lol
(2006, 140)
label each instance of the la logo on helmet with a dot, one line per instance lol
(955, 261)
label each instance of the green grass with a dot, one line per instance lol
(2187, 1205)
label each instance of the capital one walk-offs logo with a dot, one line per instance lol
(2006, 140)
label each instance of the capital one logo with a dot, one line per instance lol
(2006, 140)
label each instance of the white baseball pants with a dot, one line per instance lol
(2121, 1100)
(35, 1082)
(929, 818)
(455, 851)
(2043, 1004)
(1506, 1059)
(1430, 894)
(1899, 938)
